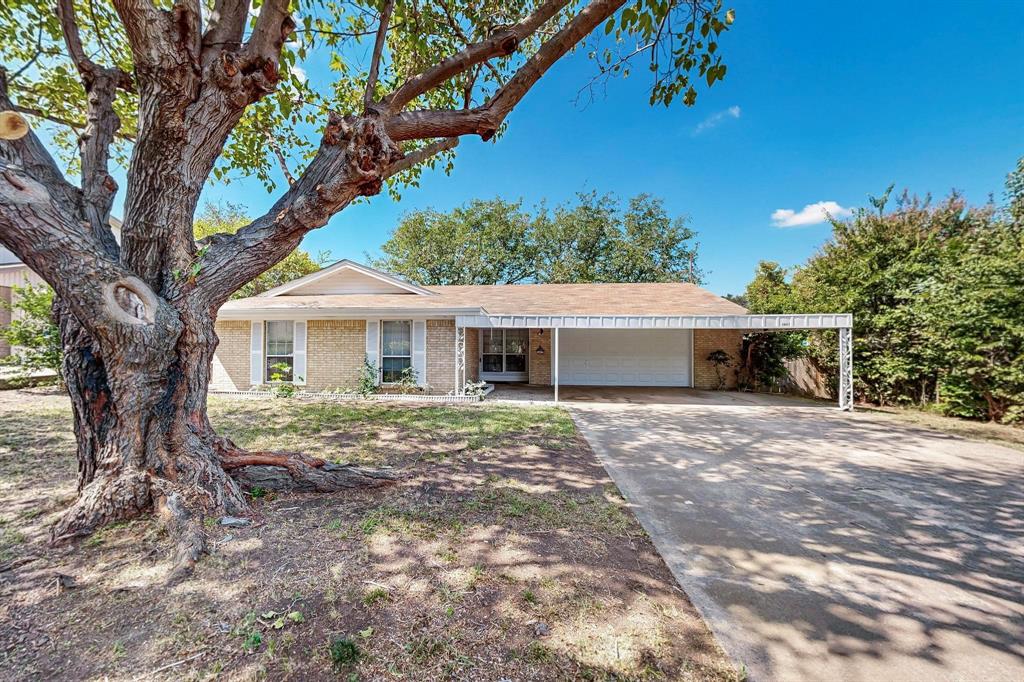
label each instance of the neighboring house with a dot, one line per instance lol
(14, 273)
(324, 326)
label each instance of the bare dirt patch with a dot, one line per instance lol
(505, 552)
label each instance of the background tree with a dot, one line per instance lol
(195, 89)
(32, 332)
(482, 242)
(764, 355)
(230, 218)
(497, 242)
(936, 295)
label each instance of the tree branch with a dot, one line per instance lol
(420, 155)
(30, 153)
(281, 161)
(358, 153)
(146, 28)
(227, 24)
(378, 49)
(72, 38)
(273, 27)
(485, 120)
(502, 43)
(101, 86)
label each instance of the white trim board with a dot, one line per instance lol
(750, 322)
(346, 264)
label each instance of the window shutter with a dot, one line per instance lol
(419, 351)
(299, 353)
(373, 345)
(256, 353)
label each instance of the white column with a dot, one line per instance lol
(554, 359)
(460, 359)
(846, 369)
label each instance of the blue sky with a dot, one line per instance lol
(824, 101)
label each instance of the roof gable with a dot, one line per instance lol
(347, 277)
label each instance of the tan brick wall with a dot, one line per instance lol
(231, 361)
(441, 355)
(539, 366)
(335, 352)
(473, 355)
(704, 342)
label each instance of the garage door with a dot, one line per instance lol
(624, 357)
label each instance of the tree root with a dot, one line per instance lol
(296, 472)
(104, 500)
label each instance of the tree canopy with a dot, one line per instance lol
(595, 239)
(936, 289)
(328, 62)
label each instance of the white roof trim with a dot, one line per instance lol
(346, 264)
(290, 313)
(748, 322)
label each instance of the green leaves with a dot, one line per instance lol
(497, 242)
(937, 296)
(324, 65)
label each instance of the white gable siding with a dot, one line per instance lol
(346, 282)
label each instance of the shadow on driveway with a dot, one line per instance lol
(827, 545)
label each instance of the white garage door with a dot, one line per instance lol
(624, 357)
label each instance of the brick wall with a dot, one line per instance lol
(231, 361)
(540, 365)
(473, 355)
(441, 355)
(704, 342)
(335, 352)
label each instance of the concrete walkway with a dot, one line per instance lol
(821, 545)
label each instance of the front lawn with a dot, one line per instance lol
(504, 552)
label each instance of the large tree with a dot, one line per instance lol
(495, 241)
(185, 90)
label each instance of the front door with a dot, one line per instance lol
(503, 354)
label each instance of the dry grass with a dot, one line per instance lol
(504, 553)
(1004, 434)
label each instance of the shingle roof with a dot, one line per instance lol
(527, 299)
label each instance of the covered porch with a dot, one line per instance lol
(640, 351)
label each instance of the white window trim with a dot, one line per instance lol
(380, 350)
(267, 355)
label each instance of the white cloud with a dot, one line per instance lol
(299, 73)
(811, 214)
(716, 118)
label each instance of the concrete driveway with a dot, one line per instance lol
(824, 545)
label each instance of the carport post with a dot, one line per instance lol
(846, 369)
(554, 359)
(460, 359)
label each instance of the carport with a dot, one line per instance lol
(645, 350)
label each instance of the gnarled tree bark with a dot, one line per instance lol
(137, 318)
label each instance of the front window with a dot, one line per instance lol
(504, 350)
(280, 351)
(396, 349)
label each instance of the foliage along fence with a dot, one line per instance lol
(937, 295)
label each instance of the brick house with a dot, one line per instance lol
(319, 330)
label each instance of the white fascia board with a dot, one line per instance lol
(345, 264)
(342, 313)
(745, 322)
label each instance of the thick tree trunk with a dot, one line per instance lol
(145, 442)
